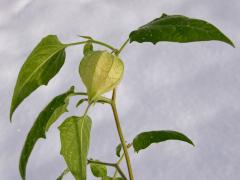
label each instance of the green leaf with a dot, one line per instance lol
(98, 170)
(44, 120)
(75, 139)
(43, 64)
(145, 139)
(118, 150)
(177, 28)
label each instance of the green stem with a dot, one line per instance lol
(119, 161)
(80, 93)
(76, 43)
(121, 158)
(123, 46)
(63, 174)
(103, 44)
(102, 163)
(110, 164)
(93, 41)
(85, 113)
(120, 133)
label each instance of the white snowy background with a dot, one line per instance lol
(192, 88)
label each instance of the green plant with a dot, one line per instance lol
(101, 72)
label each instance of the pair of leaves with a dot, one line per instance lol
(177, 28)
(75, 140)
(45, 119)
(145, 139)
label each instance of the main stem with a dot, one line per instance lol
(120, 133)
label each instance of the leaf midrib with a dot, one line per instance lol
(42, 64)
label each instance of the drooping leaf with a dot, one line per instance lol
(98, 170)
(177, 28)
(44, 120)
(101, 72)
(75, 139)
(42, 65)
(145, 139)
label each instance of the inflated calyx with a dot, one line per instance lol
(101, 72)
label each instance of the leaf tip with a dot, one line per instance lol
(11, 114)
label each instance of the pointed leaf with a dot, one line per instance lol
(42, 65)
(98, 170)
(145, 139)
(75, 139)
(44, 120)
(177, 28)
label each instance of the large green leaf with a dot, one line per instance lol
(177, 28)
(75, 139)
(44, 120)
(98, 170)
(42, 65)
(145, 139)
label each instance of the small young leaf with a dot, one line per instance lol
(75, 140)
(118, 150)
(44, 120)
(101, 72)
(88, 48)
(177, 28)
(42, 65)
(145, 139)
(98, 170)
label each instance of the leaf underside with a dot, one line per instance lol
(44, 120)
(75, 139)
(145, 139)
(42, 65)
(177, 28)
